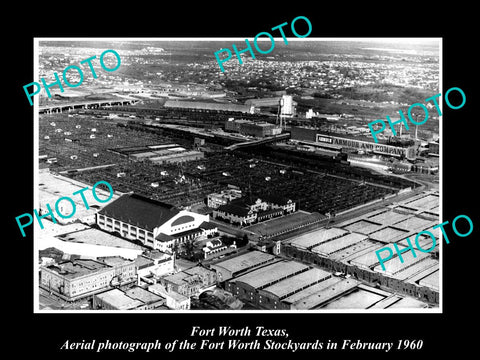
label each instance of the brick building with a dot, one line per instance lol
(79, 278)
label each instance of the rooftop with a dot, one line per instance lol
(119, 299)
(427, 202)
(317, 237)
(358, 299)
(415, 223)
(394, 265)
(159, 288)
(198, 270)
(165, 237)
(143, 295)
(142, 262)
(52, 187)
(234, 209)
(408, 302)
(355, 250)
(270, 274)
(314, 289)
(206, 106)
(245, 261)
(431, 281)
(297, 282)
(97, 237)
(206, 225)
(389, 234)
(388, 217)
(318, 298)
(140, 211)
(77, 268)
(155, 254)
(363, 226)
(368, 258)
(416, 268)
(183, 277)
(285, 222)
(341, 243)
(114, 260)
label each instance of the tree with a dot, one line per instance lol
(175, 247)
(189, 249)
(243, 241)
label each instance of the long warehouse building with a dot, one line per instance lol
(350, 247)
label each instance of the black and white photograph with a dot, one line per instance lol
(174, 185)
(218, 179)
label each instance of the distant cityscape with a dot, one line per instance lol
(259, 188)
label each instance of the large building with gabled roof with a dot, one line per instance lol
(156, 224)
(250, 209)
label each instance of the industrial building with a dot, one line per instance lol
(75, 279)
(235, 266)
(286, 285)
(281, 227)
(312, 136)
(251, 128)
(156, 224)
(177, 157)
(207, 106)
(285, 103)
(269, 282)
(350, 247)
(159, 153)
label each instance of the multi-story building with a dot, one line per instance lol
(235, 214)
(156, 224)
(215, 200)
(189, 282)
(247, 127)
(279, 202)
(75, 279)
(351, 143)
(154, 263)
(174, 300)
(246, 211)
